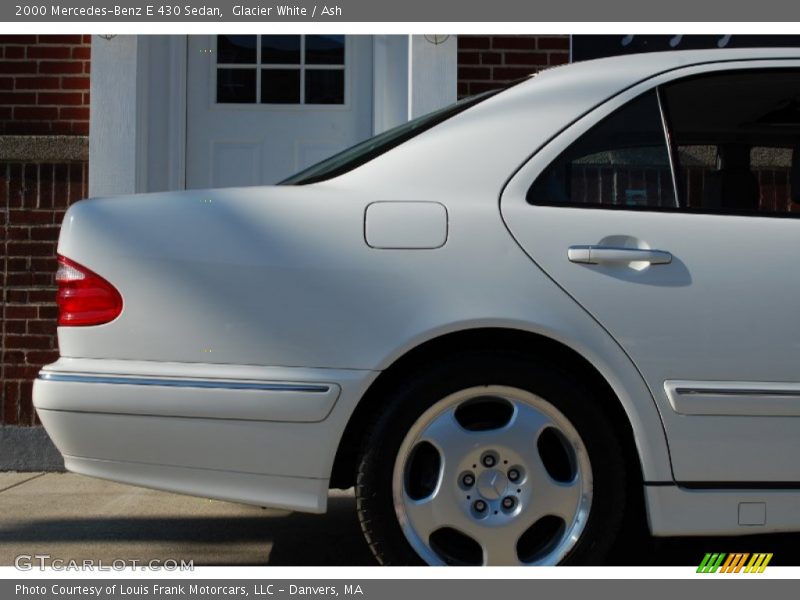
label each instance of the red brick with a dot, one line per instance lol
(60, 39)
(6, 83)
(43, 357)
(48, 312)
(45, 186)
(29, 342)
(474, 73)
(15, 296)
(559, 58)
(30, 174)
(30, 249)
(553, 43)
(60, 98)
(13, 356)
(471, 42)
(49, 52)
(60, 128)
(10, 402)
(43, 326)
(75, 182)
(13, 66)
(21, 312)
(36, 113)
(83, 52)
(87, 67)
(491, 58)
(469, 58)
(12, 52)
(510, 73)
(17, 39)
(26, 411)
(5, 113)
(80, 128)
(17, 233)
(14, 185)
(73, 114)
(16, 326)
(36, 83)
(87, 39)
(516, 42)
(19, 278)
(21, 371)
(30, 217)
(17, 264)
(29, 128)
(41, 296)
(61, 67)
(43, 265)
(526, 58)
(75, 83)
(477, 87)
(17, 98)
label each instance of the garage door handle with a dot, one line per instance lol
(610, 255)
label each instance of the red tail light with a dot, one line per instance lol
(84, 298)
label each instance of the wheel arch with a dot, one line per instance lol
(489, 339)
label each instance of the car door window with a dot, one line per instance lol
(622, 162)
(735, 135)
(734, 143)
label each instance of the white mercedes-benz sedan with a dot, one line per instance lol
(505, 323)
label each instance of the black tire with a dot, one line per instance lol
(408, 401)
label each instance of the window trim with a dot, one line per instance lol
(672, 150)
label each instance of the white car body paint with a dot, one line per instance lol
(282, 286)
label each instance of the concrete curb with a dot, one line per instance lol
(28, 449)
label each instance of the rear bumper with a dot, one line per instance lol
(260, 435)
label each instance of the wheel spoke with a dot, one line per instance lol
(557, 499)
(523, 430)
(499, 546)
(427, 515)
(449, 437)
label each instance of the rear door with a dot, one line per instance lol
(669, 214)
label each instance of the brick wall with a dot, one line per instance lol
(44, 84)
(36, 196)
(486, 62)
(44, 118)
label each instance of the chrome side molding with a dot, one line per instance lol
(187, 383)
(734, 398)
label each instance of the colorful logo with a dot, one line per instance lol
(734, 563)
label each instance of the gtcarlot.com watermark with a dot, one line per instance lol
(29, 562)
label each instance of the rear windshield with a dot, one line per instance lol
(365, 151)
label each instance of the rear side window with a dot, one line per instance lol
(729, 141)
(735, 138)
(623, 162)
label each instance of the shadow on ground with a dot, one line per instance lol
(330, 539)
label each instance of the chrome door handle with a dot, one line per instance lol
(610, 255)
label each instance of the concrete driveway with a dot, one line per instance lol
(71, 517)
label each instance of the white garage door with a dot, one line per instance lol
(261, 107)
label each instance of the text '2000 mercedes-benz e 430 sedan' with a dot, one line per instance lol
(503, 323)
